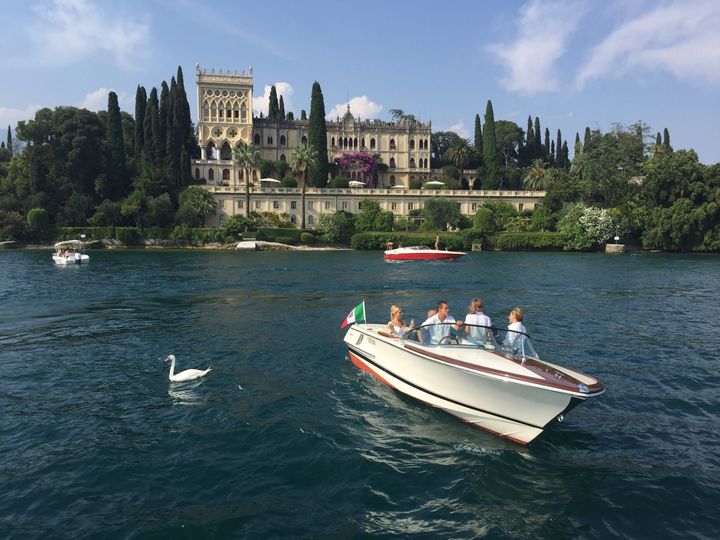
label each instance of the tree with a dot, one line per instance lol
(583, 227)
(666, 139)
(509, 137)
(478, 140)
(440, 143)
(246, 157)
(273, 106)
(38, 221)
(115, 166)
(578, 145)
(397, 114)
(534, 177)
(281, 113)
(198, 203)
(558, 150)
(439, 212)
(302, 159)
(140, 106)
(336, 228)
(490, 157)
(9, 141)
(460, 154)
(317, 137)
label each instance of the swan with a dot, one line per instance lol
(187, 375)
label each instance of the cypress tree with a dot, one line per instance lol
(273, 106)
(303, 116)
(558, 149)
(183, 121)
(140, 105)
(587, 140)
(317, 136)
(536, 137)
(490, 156)
(116, 173)
(151, 132)
(666, 138)
(478, 135)
(282, 108)
(658, 139)
(546, 146)
(565, 155)
(553, 163)
(578, 145)
(9, 141)
(163, 115)
(290, 115)
(530, 138)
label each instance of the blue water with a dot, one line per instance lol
(287, 439)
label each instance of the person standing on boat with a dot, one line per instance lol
(439, 325)
(437, 241)
(515, 318)
(479, 331)
(397, 326)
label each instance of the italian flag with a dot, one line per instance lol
(356, 315)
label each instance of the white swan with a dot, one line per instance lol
(187, 375)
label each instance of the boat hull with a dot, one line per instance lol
(513, 405)
(71, 259)
(403, 254)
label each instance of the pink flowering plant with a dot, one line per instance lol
(361, 163)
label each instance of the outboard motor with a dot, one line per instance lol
(78, 258)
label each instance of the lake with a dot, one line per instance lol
(287, 439)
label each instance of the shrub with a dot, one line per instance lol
(181, 234)
(289, 182)
(339, 182)
(307, 238)
(415, 183)
(526, 241)
(38, 221)
(130, 236)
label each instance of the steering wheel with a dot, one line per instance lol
(449, 339)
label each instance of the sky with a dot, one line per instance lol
(572, 63)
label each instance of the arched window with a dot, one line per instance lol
(211, 175)
(236, 112)
(254, 175)
(304, 139)
(426, 144)
(372, 144)
(426, 163)
(206, 112)
(332, 142)
(282, 157)
(282, 140)
(412, 163)
(392, 162)
(256, 139)
(226, 174)
(345, 142)
(213, 112)
(355, 142)
(210, 151)
(392, 179)
(311, 219)
(270, 140)
(412, 144)
(293, 219)
(241, 175)
(197, 174)
(392, 144)
(362, 142)
(243, 112)
(225, 152)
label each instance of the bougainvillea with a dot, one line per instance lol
(362, 164)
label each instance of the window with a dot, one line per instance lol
(243, 112)
(311, 219)
(412, 163)
(304, 140)
(241, 204)
(392, 179)
(327, 205)
(197, 174)
(276, 205)
(282, 140)
(520, 207)
(332, 142)
(293, 219)
(258, 204)
(211, 175)
(412, 144)
(282, 157)
(372, 144)
(344, 205)
(473, 206)
(393, 206)
(226, 174)
(392, 163)
(392, 144)
(270, 140)
(293, 205)
(310, 205)
(411, 206)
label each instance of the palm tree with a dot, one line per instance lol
(459, 153)
(397, 114)
(303, 158)
(534, 177)
(246, 157)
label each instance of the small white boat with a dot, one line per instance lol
(420, 253)
(70, 252)
(499, 385)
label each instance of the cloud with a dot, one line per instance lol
(360, 107)
(69, 31)
(544, 31)
(10, 117)
(98, 101)
(261, 103)
(681, 38)
(460, 129)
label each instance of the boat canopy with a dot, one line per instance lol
(69, 244)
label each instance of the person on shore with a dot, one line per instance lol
(397, 326)
(441, 324)
(515, 318)
(479, 332)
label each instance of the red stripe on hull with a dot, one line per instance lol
(423, 256)
(367, 369)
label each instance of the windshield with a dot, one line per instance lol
(516, 344)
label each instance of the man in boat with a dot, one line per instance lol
(440, 325)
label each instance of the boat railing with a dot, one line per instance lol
(504, 341)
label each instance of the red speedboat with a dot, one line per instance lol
(420, 253)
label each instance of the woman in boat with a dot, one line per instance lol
(479, 331)
(397, 326)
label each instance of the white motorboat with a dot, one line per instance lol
(70, 252)
(496, 383)
(420, 253)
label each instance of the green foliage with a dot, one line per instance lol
(502, 212)
(196, 204)
(542, 219)
(130, 236)
(527, 241)
(438, 213)
(181, 234)
(491, 162)
(38, 221)
(451, 171)
(12, 226)
(234, 226)
(373, 218)
(336, 228)
(378, 240)
(415, 183)
(584, 227)
(484, 220)
(307, 238)
(339, 182)
(317, 137)
(268, 234)
(289, 182)
(273, 106)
